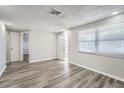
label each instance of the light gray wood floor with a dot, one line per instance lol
(54, 74)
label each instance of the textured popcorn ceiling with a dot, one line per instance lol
(39, 17)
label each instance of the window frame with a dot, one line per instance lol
(96, 46)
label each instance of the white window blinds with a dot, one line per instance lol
(87, 40)
(107, 40)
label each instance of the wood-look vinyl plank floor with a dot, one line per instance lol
(54, 74)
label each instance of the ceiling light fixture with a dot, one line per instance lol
(114, 13)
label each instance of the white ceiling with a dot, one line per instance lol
(38, 17)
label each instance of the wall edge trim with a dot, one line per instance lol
(34, 61)
(100, 72)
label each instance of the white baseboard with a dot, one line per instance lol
(34, 61)
(1, 72)
(100, 72)
(61, 58)
(7, 61)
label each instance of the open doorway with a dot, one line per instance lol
(17, 46)
(26, 47)
(62, 46)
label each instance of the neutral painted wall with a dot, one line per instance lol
(2, 48)
(107, 65)
(42, 46)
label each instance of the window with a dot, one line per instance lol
(87, 40)
(107, 40)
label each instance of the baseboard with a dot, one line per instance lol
(60, 58)
(34, 61)
(100, 72)
(15, 61)
(2, 71)
(7, 61)
(20, 60)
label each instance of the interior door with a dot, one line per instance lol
(60, 47)
(14, 46)
(8, 51)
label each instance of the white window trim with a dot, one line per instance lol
(98, 53)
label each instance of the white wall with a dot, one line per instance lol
(2, 48)
(107, 65)
(42, 46)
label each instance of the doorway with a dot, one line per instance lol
(62, 46)
(8, 47)
(26, 47)
(66, 46)
(17, 47)
(12, 47)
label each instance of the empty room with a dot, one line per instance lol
(61, 46)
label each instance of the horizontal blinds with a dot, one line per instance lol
(107, 40)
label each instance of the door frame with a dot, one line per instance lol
(64, 37)
(18, 56)
(20, 44)
(8, 46)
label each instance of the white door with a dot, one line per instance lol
(8, 51)
(14, 46)
(60, 48)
